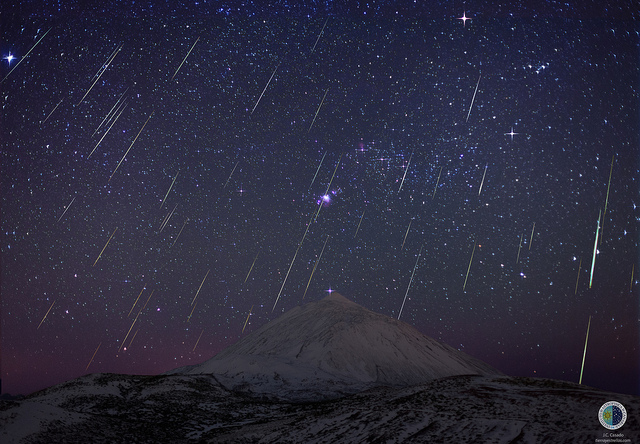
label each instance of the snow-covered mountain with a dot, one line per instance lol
(333, 347)
(328, 371)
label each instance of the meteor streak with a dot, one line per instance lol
(105, 247)
(474, 96)
(405, 171)
(106, 132)
(531, 240)
(45, 316)
(185, 58)
(469, 267)
(265, 88)
(519, 248)
(315, 175)
(254, 262)
(294, 258)
(405, 235)
(318, 110)
(194, 347)
(578, 278)
(176, 240)
(328, 187)
(584, 354)
(102, 69)
(245, 322)
(437, 182)
(633, 267)
(166, 219)
(94, 355)
(65, 210)
(354, 236)
(194, 298)
(49, 115)
(482, 183)
(320, 35)
(410, 281)
(134, 304)
(130, 146)
(606, 202)
(111, 112)
(234, 168)
(315, 266)
(174, 181)
(595, 250)
(26, 55)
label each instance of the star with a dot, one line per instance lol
(9, 58)
(464, 18)
(511, 134)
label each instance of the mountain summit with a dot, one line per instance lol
(331, 347)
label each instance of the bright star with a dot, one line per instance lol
(511, 134)
(9, 58)
(464, 18)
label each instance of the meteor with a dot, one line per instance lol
(102, 69)
(194, 347)
(606, 202)
(107, 132)
(49, 115)
(318, 110)
(405, 235)
(105, 246)
(174, 181)
(315, 175)
(320, 35)
(202, 283)
(109, 114)
(328, 187)
(482, 183)
(595, 250)
(254, 262)
(229, 178)
(531, 240)
(166, 219)
(130, 146)
(26, 55)
(405, 171)
(519, 248)
(245, 322)
(437, 182)
(176, 240)
(94, 355)
(578, 278)
(469, 268)
(134, 304)
(315, 266)
(474, 96)
(354, 236)
(65, 210)
(584, 354)
(633, 267)
(265, 88)
(185, 58)
(45, 316)
(411, 280)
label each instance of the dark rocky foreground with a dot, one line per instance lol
(108, 408)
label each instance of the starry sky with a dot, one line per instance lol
(176, 175)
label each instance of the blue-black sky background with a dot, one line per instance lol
(509, 187)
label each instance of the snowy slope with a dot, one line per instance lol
(331, 347)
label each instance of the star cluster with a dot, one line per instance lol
(169, 177)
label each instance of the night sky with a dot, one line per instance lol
(472, 162)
